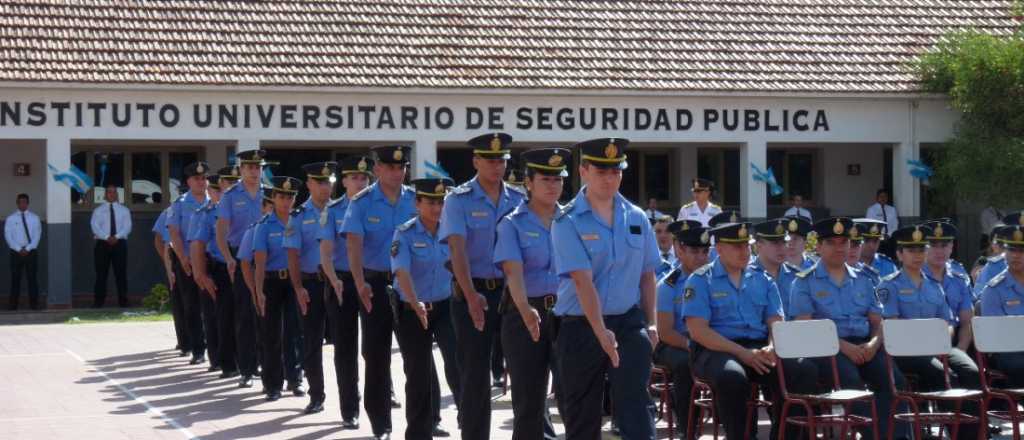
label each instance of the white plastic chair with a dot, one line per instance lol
(999, 334)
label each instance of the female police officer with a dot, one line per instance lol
(524, 253)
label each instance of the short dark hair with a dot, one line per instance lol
(22, 196)
(881, 191)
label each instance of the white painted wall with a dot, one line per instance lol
(32, 152)
(851, 195)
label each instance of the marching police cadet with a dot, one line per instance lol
(369, 227)
(239, 209)
(162, 243)
(211, 276)
(246, 273)
(342, 298)
(177, 224)
(691, 242)
(271, 281)
(832, 289)
(957, 285)
(524, 253)
(997, 264)
(421, 305)
(770, 240)
(468, 221)
(869, 254)
(605, 257)
(701, 208)
(302, 242)
(1004, 296)
(797, 229)
(909, 294)
(729, 308)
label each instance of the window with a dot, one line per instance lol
(656, 177)
(107, 169)
(79, 160)
(146, 179)
(794, 171)
(722, 166)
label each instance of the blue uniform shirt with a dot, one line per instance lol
(870, 272)
(182, 211)
(523, 238)
(902, 299)
(957, 289)
(160, 227)
(663, 269)
(995, 266)
(884, 265)
(806, 262)
(847, 305)
(245, 247)
(304, 230)
(468, 212)
(372, 216)
(332, 231)
(783, 281)
(616, 254)
(204, 229)
(733, 313)
(1002, 296)
(269, 238)
(241, 210)
(957, 267)
(670, 297)
(424, 257)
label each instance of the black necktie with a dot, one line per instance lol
(664, 256)
(24, 224)
(113, 222)
(885, 218)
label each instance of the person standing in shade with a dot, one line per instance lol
(770, 242)
(524, 252)
(422, 308)
(468, 222)
(701, 208)
(664, 238)
(910, 294)
(302, 241)
(872, 231)
(797, 229)
(652, 209)
(955, 284)
(162, 243)
(369, 228)
(342, 297)
(178, 222)
(882, 210)
(691, 242)
(239, 209)
(22, 230)
(797, 209)
(1004, 296)
(605, 257)
(111, 223)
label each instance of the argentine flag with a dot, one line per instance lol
(73, 177)
(267, 175)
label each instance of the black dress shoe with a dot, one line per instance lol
(228, 374)
(196, 360)
(350, 423)
(273, 396)
(296, 389)
(439, 432)
(315, 406)
(395, 404)
(498, 383)
(183, 353)
(384, 436)
(245, 382)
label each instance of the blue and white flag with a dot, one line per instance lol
(919, 170)
(73, 177)
(267, 175)
(768, 177)
(435, 171)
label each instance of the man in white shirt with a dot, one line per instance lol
(652, 209)
(700, 209)
(22, 230)
(881, 210)
(797, 209)
(111, 223)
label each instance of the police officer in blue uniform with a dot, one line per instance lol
(468, 221)
(868, 229)
(239, 209)
(422, 308)
(797, 229)
(832, 289)
(178, 222)
(727, 216)
(303, 244)
(369, 228)
(956, 284)
(996, 264)
(869, 254)
(690, 241)
(162, 242)
(1004, 296)
(770, 240)
(910, 294)
(729, 308)
(342, 298)
(605, 257)
(270, 275)
(524, 253)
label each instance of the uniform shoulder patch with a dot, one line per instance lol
(263, 219)
(703, 270)
(996, 280)
(462, 189)
(689, 204)
(673, 277)
(405, 226)
(891, 276)
(336, 201)
(362, 193)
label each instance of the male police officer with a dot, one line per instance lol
(869, 254)
(956, 284)
(177, 223)
(796, 253)
(605, 255)
(691, 242)
(997, 264)
(1004, 296)
(468, 221)
(770, 239)
(369, 228)
(701, 208)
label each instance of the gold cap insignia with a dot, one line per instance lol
(779, 230)
(287, 185)
(793, 226)
(439, 189)
(874, 229)
(732, 218)
(917, 235)
(496, 143)
(838, 228)
(742, 233)
(397, 155)
(704, 238)
(1018, 235)
(611, 151)
(555, 160)
(938, 231)
(326, 171)
(361, 166)
(686, 226)
(200, 168)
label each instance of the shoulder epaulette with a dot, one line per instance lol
(362, 193)
(891, 276)
(565, 210)
(405, 226)
(688, 204)
(263, 219)
(996, 258)
(804, 273)
(462, 189)
(997, 279)
(336, 201)
(790, 266)
(517, 189)
(673, 277)
(884, 257)
(703, 270)
(713, 205)
(298, 211)
(872, 269)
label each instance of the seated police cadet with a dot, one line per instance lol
(797, 229)
(727, 216)
(1004, 296)
(369, 229)
(868, 233)
(996, 264)
(832, 289)
(422, 309)
(302, 241)
(956, 284)
(342, 298)
(910, 294)
(729, 309)
(770, 243)
(869, 254)
(691, 242)
(468, 222)
(524, 252)
(271, 279)
(605, 256)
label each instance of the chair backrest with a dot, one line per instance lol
(916, 337)
(805, 339)
(998, 334)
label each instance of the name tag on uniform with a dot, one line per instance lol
(275, 234)
(1013, 303)
(308, 222)
(532, 234)
(906, 291)
(373, 219)
(590, 237)
(822, 294)
(478, 213)
(419, 245)
(241, 203)
(720, 294)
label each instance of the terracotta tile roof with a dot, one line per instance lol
(833, 46)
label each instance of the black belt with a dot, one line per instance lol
(214, 265)
(545, 303)
(428, 306)
(318, 276)
(277, 274)
(572, 318)
(488, 283)
(371, 274)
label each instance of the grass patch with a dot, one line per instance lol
(101, 316)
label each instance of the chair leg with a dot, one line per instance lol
(892, 420)
(689, 413)
(874, 420)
